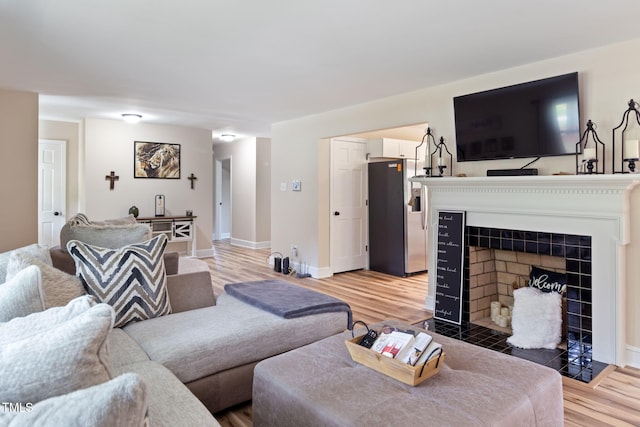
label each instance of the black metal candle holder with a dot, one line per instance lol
(624, 159)
(590, 165)
(428, 137)
(444, 160)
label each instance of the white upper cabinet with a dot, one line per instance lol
(394, 148)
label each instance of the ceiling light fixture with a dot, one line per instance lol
(131, 118)
(227, 137)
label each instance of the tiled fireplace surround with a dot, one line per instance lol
(584, 218)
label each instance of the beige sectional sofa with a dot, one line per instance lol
(191, 363)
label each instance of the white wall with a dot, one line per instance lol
(109, 146)
(608, 79)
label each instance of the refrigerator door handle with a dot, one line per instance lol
(423, 208)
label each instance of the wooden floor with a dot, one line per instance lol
(612, 399)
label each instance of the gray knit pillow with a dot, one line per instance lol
(69, 356)
(22, 295)
(119, 402)
(131, 279)
(58, 287)
(35, 250)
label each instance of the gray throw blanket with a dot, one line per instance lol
(287, 300)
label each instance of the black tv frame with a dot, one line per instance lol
(509, 122)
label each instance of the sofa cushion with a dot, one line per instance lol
(170, 402)
(131, 279)
(58, 287)
(106, 234)
(38, 251)
(123, 350)
(249, 334)
(121, 401)
(21, 295)
(65, 357)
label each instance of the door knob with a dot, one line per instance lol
(336, 213)
(56, 213)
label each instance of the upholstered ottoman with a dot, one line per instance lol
(319, 385)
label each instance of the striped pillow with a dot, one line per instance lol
(131, 279)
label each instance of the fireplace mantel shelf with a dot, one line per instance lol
(585, 205)
(535, 183)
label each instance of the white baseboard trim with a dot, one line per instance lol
(249, 244)
(222, 236)
(320, 272)
(204, 253)
(633, 356)
(430, 303)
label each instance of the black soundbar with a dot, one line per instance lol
(512, 172)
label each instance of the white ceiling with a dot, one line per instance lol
(239, 66)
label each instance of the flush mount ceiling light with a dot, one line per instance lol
(131, 118)
(227, 137)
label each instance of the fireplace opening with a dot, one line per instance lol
(493, 276)
(497, 260)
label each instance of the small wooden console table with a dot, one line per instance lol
(176, 228)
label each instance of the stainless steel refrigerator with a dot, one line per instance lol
(397, 219)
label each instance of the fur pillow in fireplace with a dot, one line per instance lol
(537, 319)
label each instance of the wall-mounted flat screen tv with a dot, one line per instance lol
(533, 119)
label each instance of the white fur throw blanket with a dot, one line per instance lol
(537, 319)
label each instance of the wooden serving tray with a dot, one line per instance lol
(411, 375)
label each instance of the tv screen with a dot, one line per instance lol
(533, 119)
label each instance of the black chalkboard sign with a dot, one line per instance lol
(450, 266)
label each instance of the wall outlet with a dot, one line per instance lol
(294, 250)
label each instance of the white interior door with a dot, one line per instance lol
(52, 199)
(348, 205)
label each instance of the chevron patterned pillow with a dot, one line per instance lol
(131, 279)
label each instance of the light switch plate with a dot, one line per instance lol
(283, 186)
(296, 185)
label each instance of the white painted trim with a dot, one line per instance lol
(633, 356)
(204, 253)
(249, 244)
(320, 273)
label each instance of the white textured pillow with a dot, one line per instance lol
(119, 402)
(21, 295)
(37, 251)
(537, 319)
(69, 356)
(23, 327)
(131, 279)
(58, 286)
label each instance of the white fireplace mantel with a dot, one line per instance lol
(596, 206)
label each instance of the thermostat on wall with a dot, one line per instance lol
(296, 185)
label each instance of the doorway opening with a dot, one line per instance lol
(357, 231)
(222, 199)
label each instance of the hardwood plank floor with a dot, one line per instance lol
(612, 399)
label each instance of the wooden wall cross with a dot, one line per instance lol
(192, 178)
(112, 178)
